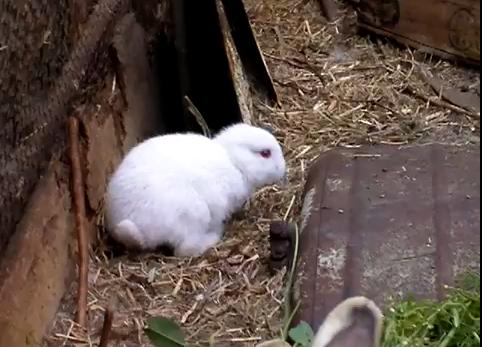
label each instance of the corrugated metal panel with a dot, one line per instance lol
(388, 221)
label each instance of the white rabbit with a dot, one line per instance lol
(356, 321)
(178, 189)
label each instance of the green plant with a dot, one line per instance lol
(289, 313)
(163, 332)
(454, 321)
(302, 335)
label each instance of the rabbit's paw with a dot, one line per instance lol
(195, 247)
(128, 233)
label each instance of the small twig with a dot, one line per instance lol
(364, 155)
(288, 210)
(105, 332)
(311, 68)
(80, 218)
(413, 257)
(198, 116)
(290, 319)
(440, 103)
(288, 312)
(375, 103)
(292, 84)
(290, 62)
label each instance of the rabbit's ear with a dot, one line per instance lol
(360, 332)
(355, 322)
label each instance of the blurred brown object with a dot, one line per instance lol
(281, 244)
(467, 100)
(449, 29)
(330, 9)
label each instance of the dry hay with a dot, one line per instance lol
(330, 97)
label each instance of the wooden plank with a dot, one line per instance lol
(248, 48)
(447, 28)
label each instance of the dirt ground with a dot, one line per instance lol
(334, 91)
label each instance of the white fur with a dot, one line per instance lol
(341, 317)
(179, 189)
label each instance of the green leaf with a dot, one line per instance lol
(164, 332)
(302, 334)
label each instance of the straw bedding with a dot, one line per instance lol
(335, 89)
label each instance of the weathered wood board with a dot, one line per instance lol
(447, 28)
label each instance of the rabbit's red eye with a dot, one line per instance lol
(266, 153)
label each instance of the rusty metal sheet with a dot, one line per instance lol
(383, 221)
